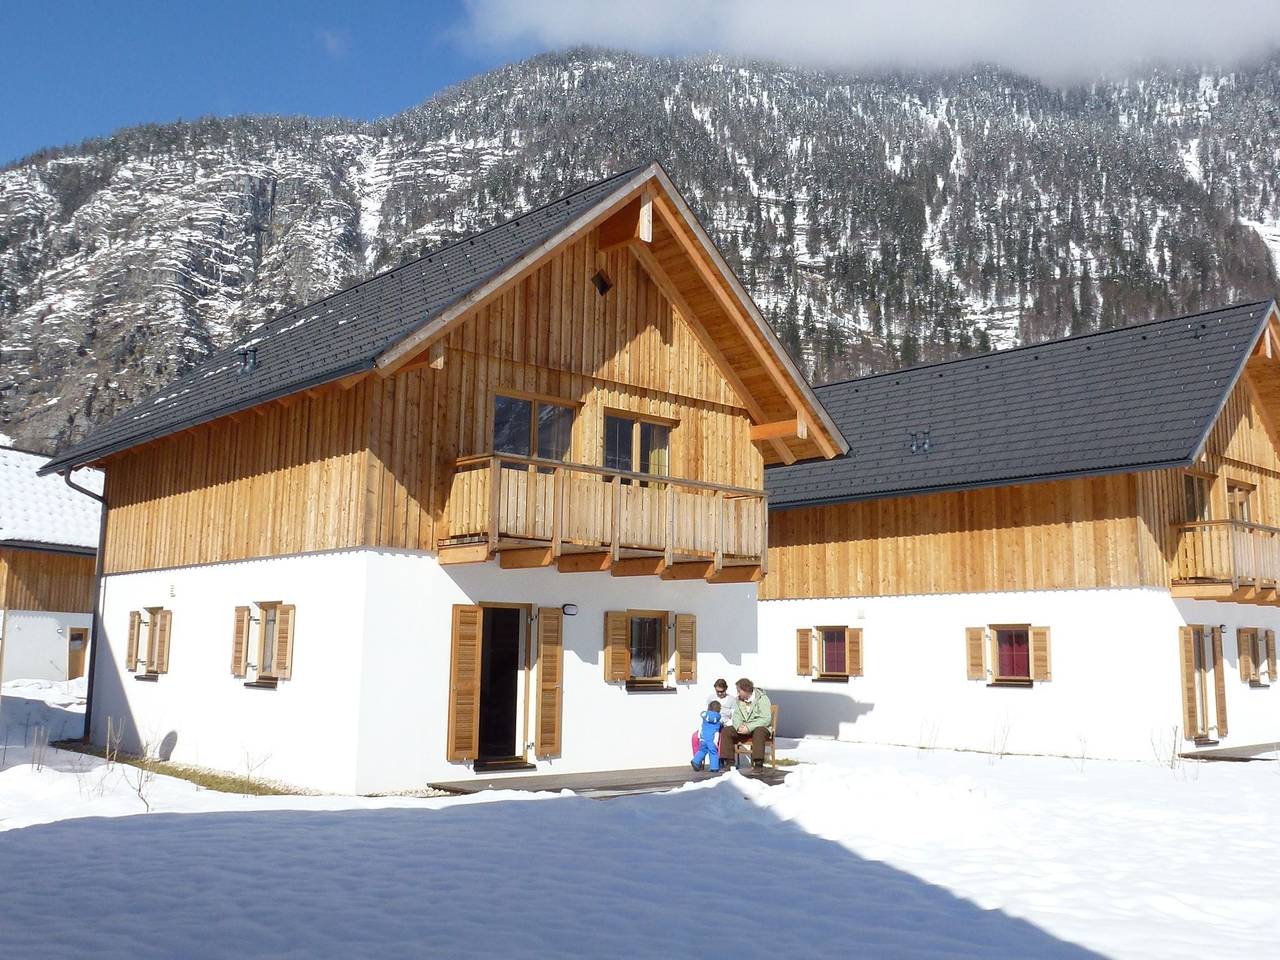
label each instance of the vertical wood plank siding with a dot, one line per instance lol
(1074, 533)
(373, 465)
(1112, 531)
(1240, 448)
(36, 580)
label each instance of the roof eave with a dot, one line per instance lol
(433, 327)
(1198, 450)
(768, 336)
(40, 546)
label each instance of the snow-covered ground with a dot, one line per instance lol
(863, 851)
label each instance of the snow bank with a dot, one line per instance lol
(877, 852)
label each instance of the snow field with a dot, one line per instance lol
(864, 851)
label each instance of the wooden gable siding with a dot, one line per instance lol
(37, 580)
(370, 465)
(1240, 447)
(1065, 534)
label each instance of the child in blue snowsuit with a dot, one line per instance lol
(708, 737)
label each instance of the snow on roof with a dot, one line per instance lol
(44, 509)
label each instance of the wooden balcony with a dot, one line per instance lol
(532, 512)
(1227, 560)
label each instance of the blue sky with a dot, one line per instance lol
(74, 69)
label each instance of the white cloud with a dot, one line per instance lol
(1057, 41)
(334, 42)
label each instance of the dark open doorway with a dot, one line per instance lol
(500, 683)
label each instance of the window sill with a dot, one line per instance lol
(830, 678)
(262, 683)
(1206, 742)
(648, 686)
(1012, 682)
(1259, 683)
(147, 677)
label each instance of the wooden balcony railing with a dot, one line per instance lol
(1227, 551)
(512, 501)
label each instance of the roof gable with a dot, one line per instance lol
(1134, 398)
(388, 320)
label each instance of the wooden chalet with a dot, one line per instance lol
(584, 389)
(1016, 507)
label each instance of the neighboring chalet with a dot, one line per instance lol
(499, 508)
(1067, 548)
(48, 539)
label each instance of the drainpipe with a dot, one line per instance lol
(97, 601)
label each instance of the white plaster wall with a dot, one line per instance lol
(35, 643)
(404, 700)
(303, 732)
(366, 708)
(1253, 713)
(1115, 690)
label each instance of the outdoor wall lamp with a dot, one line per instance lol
(569, 609)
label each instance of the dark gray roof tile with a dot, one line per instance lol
(1133, 398)
(341, 334)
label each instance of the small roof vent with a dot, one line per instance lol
(248, 360)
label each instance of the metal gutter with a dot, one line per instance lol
(96, 616)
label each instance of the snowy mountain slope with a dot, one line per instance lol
(877, 220)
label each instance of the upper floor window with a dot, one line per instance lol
(1238, 496)
(532, 428)
(637, 445)
(1196, 494)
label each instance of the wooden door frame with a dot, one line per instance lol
(71, 632)
(525, 662)
(1202, 664)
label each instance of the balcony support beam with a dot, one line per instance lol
(639, 567)
(464, 553)
(696, 570)
(525, 558)
(739, 574)
(584, 562)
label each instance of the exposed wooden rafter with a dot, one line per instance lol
(781, 429)
(632, 225)
(677, 300)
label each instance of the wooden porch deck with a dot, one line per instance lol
(607, 784)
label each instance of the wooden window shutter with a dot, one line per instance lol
(1040, 654)
(240, 643)
(1244, 645)
(617, 646)
(1190, 715)
(1219, 683)
(804, 652)
(131, 648)
(973, 637)
(282, 668)
(686, 648)
(164, 628)
(464, 683)
(853, 651)
(550, 680)
(1270, 638)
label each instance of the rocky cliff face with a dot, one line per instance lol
(877, 220)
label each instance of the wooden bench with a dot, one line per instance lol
(771, 756)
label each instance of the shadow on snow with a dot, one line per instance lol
(635, 877)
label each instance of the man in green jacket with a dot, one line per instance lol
(752, 717)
